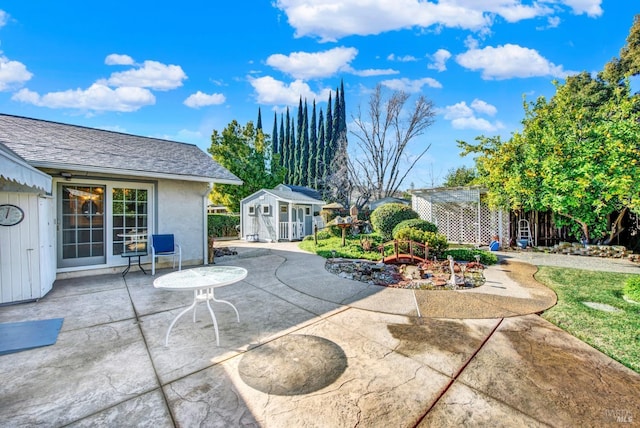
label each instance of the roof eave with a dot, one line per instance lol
(150, 174)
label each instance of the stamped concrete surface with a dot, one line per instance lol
(311, 349)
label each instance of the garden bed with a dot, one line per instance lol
(429, 275)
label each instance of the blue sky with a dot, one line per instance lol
(180, 71)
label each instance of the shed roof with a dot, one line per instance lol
(287, 196)
(312, 193)
(45, 144)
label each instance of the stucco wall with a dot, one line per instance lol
(180, 210)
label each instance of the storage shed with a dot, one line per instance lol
(285, 213)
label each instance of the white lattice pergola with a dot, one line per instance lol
(461, 215)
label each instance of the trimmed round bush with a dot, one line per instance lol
(436, 242)
(386, 217)
(416, 223)
(632, 288)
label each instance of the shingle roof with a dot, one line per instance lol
(305, 191)
(293, 196)
(56, 145)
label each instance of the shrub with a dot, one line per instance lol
(416, 223)
(222, 225)
(468, 255)
(386, 217)
(632, 288)
(436, 242)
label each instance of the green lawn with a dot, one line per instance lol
(616, 334)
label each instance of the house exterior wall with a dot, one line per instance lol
(181, 210)
(176, 206)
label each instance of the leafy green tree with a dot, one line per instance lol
(629, 62)
(577, 156)
(461, 176)
(246, 152)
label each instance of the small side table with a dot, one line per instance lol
(129, 255)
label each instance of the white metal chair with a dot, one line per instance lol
(165, 245)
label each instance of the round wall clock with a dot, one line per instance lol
(10, 215)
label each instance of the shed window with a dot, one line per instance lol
(266, 209)
(252, 210)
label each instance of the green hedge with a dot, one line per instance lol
(468, 255)
(223, 225)
(632, 288)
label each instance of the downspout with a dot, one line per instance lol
(205, 223)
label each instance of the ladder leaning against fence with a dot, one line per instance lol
(524, 231)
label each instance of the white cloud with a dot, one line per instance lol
(509, 61)
(12, 73)
(590, 7)
(439, 59)
(475, 123)
(152, 74)
(411, 86)
(330, 20)
(4, 18)
(372, 72)
(553, 22)
(305, 65)
(483, 107)
(117, 59)
(97, 97)
(333, 19)
(463, 116)
(405, 58)
(200, 99)
(275, 92)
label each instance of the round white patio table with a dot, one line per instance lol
(202, 281)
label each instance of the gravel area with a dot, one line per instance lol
(570, 261)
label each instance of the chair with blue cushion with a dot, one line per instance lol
(165, 245)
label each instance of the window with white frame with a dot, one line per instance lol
(252, 210)
(266, 209)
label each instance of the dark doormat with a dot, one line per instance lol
(20, 336)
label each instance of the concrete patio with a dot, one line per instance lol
(311, 349)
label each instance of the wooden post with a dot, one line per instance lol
(315, 233)
(344, 234)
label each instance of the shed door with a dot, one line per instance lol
(19, 258)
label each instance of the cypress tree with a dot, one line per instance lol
(328, 133)
(287, 145)
(281, 141)
(292, 160)
(320, 153)
(259, 123)
(313, 149)
(304, 148)
(274, 136)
